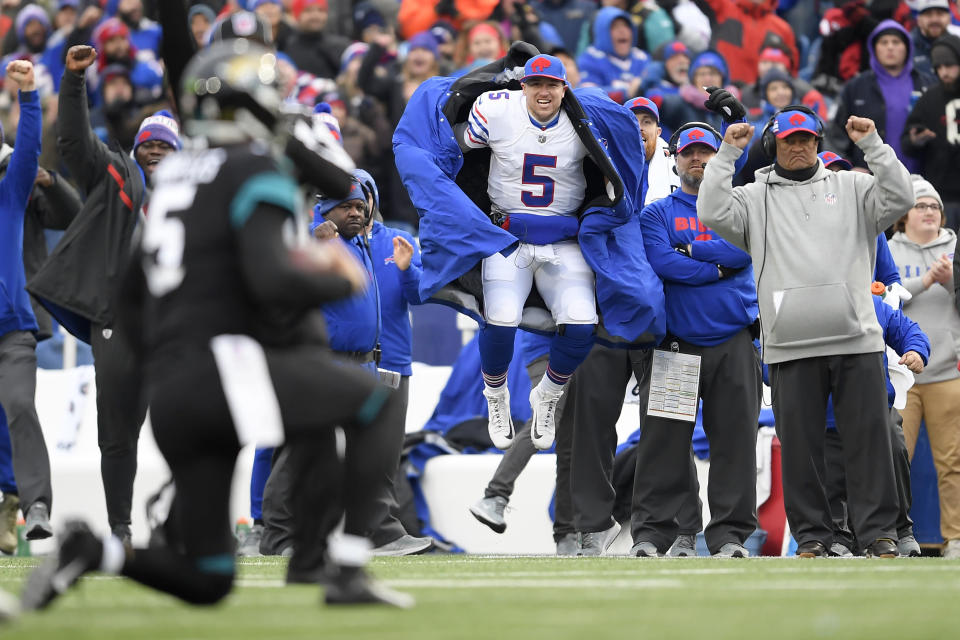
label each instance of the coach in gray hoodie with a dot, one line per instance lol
(922, 248)
(812, 235)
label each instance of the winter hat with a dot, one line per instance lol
(201, 9)
(322, 113)
(112, 71)
(110, 28)
(253, 4)
(160, 126)
(354, 51)
(443, 31)
(29, 13)
(326, 205)
(923, 188)
(369, 185)
(773, 54)
(923, 5)
(945, 51)
(299, 5)
(776, 75)
(424, 40)
(63, 4)
(891, 31)
(710, 58)
(674, 48)
(366, 15)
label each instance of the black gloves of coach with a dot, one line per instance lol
(722, 271)
(723, 102)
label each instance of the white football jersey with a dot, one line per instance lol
(533, 168)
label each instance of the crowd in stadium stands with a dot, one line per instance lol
(100, 128)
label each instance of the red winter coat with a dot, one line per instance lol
(742, 28)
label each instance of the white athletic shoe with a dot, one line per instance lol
(543, 428)
(499, 422)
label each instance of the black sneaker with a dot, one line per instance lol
(80, 552)
(811, 549)
(881, 548)
(352, 585)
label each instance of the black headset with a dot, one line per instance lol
(675, 138)
(768, 140)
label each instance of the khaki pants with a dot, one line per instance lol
(938, 405)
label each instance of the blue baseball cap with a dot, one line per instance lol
(697, 135)
(792, 121)
(829, 158)
(643, 104)
(544, 66)
(674, 48)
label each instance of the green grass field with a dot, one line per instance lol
(505, 597)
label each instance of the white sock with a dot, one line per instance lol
(114, 555)
(549, 387)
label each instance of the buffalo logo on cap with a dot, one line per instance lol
(797, 119)
(540, 64)
(696, 134)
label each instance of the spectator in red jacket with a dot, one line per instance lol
(743, 28)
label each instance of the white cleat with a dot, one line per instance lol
(543, 429)
(499, 422)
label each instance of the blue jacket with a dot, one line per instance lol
(885, 270)
(701, 308)
(455, 234)
(901, 334)
(398, 290)
(599, 66)
(16, 314)
(354, 323)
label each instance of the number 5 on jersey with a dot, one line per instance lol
(531, 161)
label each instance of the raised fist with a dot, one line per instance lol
(726, 104)
(859, 128)
(80, 57)
(21, 72)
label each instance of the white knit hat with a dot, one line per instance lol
(923, 188)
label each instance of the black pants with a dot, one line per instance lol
(730, 387)
(596, 393)
(295, 508)
(18, 386)
(196, 436)
(800, 391)
(121, 410)
(836, 484)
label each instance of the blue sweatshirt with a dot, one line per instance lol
(901, 334)
(601, 67)
(16, 314)
(354, 323)
(398, 290)
(885, 270)
(701, 308)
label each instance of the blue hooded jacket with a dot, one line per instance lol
(901, 334)
(600, 66)
(455, 235)
(701, 308)
(398, 290)
(16, 314)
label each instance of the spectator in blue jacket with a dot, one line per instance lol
(711, 305)
(354, 328)
(18, 325)
(613, 62)
(904, 336)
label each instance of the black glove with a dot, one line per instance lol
(728, 272)
(682, 249)
(722, 101)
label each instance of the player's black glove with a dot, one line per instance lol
(727, 272)
(682, 249)
(723, 102)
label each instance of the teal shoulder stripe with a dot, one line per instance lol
(271, 188)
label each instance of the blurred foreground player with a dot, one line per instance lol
(234, 352)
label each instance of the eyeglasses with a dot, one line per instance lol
(922, 206)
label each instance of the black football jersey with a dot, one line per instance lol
(194, 279)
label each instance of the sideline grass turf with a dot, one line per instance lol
(502, 598)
